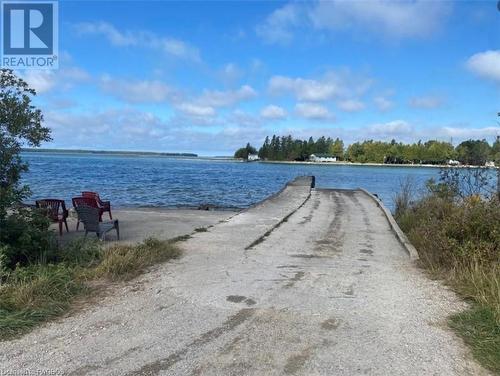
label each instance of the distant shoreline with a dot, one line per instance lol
(372, 164)
(110, 152)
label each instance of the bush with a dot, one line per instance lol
(458, 239)
(25, 238)
(447, 234)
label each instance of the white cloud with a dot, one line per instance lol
(333, 84)
(313, 111)
(351, 105)
(44, 81)
(395, 19)
(137, 91)
(124, 127)
(114, 36)
(171, 46)
(396, 128)
(277, 28)
(256, 65)
(463, 133)
(131, 129)
(73, 74)
(243, 119)
(304, 89)
(155, 91)
(40, 80)
(486, 65)
(383, 103)
(217, 98)
(273, 112)
(176, 47)
(230, 73)
(196, 110)
(59, 103)
(426, 102)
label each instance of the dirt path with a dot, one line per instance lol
(328, 291)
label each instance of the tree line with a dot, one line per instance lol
(286, 148)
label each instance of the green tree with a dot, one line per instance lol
(437, 152)
(337, 148)
(310, 149)
(474, 152)
(354, 152)
(495, 151)
(20, 125)
(24, 235)
(264, 150)
(244, 152)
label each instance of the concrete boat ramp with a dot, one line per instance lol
(308, 282)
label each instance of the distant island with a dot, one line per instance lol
(432, 152)
(112, 152)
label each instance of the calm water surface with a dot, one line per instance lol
(136, 181)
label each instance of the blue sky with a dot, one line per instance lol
(207, 77)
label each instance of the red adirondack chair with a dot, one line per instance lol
(86, 201)
(105, 205)
(56, 211)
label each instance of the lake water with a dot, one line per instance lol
(146, 181)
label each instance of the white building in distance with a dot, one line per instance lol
(322, 158)
(253, 157)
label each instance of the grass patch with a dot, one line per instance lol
(36, 294)
(123, 262)
(480, 330)
(30, 295)
(458, 241)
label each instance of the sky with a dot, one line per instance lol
(208, 77)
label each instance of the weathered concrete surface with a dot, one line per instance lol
(138, 224)
(330, 291)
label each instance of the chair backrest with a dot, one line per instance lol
(94, 195)
(89, 216)
(84, 201)
(51, 206)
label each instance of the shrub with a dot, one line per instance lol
(458, 240)
(403, 200)
(447, 233)
(25, 238)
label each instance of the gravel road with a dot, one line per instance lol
(306, 283)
